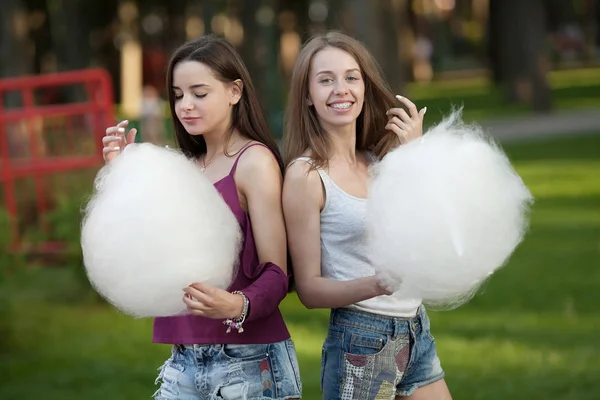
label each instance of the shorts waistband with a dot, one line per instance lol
(385, 325)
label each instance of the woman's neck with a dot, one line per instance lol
(216, 143)
(343, 142)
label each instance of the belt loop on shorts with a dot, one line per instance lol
(398, 326)
(332, 316)
(411, 330)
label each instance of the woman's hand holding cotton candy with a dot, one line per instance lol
(115, 140)
(211, 302)
(385, 285)
(407, 127)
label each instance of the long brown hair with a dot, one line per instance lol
(227, 65)
(302, 129)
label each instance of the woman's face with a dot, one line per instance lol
(336, 88)
(203, 104)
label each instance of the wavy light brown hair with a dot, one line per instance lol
(302, 129)
(227, 65)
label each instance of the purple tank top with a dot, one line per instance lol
(264, 284)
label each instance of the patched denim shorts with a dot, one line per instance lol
(231, 371)
(367, 356)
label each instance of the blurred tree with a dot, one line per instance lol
(559, 12)
(208, 11)
(70, 31)
(591, 11)
(175, 32)
(253, 49)
(301, 10)
(260, 52)
(14, 43)
(40, 35)
(397, 40)
(15, 47)
(359, 19)
(518, 51)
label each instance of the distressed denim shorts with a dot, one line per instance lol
(231, 371)
(369, 356)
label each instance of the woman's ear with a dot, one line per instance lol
(237, 88)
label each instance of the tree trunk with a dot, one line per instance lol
(394, 25)
(14, 40)
(521, 51)
(300, 10)
(260, 50)
(70, 37)
(175, 28)
(494, 33)
(70, 34)
(360, 22)
(14, 45)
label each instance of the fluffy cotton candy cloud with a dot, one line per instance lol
(445, 213)
(154, 225)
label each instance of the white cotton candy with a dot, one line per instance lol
(444, 213)
(156, 224)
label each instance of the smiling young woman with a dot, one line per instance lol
(341, 118)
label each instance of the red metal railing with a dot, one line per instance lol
(41, 136)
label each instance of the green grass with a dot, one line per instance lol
(531, 334)
(571, 89)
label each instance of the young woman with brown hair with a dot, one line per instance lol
(219, 123)
(341, 118)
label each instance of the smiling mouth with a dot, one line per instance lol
(341, 106)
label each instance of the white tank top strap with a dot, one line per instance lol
(307, 159)
(324, 177)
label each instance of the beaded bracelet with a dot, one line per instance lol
(236, 323)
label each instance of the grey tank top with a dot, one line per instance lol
(344, 252)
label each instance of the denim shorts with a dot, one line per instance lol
(231, 371)
(369, 356)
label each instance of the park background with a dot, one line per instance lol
(527, 70)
